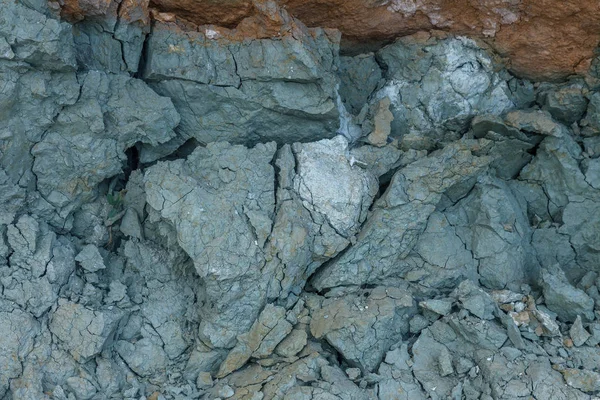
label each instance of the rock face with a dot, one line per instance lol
(247, 91)
(547, 39)
(235, 211)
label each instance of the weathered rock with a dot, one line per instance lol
(437, 86)
(565, 300)
(112, 40)
(578, 333)
(36, 39)
(144, 357)
(136, 260)
(510, 145)
(509, 27)
(363, 326)
(84, 332)
(18, 331)
(281, 89)
(322, 202)
(112, 113)
(81, 387)
(40, 264)
(426, 352)
(438, 306)
(359, 76)
(382, 120)
(90, 259)
(494, 228)
(329, 185)
(556, 169)
(476, 300)
(587, 381)
(292, 344)
(237, 184)
(535, 121)
(172, 293)
(591, 122)
(266, 333)
(566, 102)
(400, 216)
(582, 231)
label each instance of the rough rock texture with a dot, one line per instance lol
(240, 213)
(235, 183)
(248, 91)
(437, 86)
(541, 39)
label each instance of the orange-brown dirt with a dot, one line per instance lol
(539, 39)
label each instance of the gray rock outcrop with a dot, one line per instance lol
(202, 212)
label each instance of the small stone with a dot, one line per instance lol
(130, 224)
(90, 259)
(439, 306)
(584, 380)
(445, 362)
(568, 343)
(353, 373)
(594, 339)
(204, 380)
(418, 323)
(81, 387)
(226, 392)
(563, 299)
(292, 344)
(578, 333)
(399, 357)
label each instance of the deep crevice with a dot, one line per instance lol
(142, 63)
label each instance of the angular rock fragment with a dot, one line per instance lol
(591, 122)
(494, 228)
(248, 91)
(292, 344)
(398, 218)
(322, 202)
(328, 184)
(578, 333)
(437, 86)
(584, 380)
(81, 387)
(438, 306)
(581, 227)
(476, 300)
(35, 38)
(363, 326)
(266, 333)
(172, 292)
(221, 203)
(87, 142)
(84, 332)
(112, 42)
(556, 169)
(535, 121)
(511, 146)
(144, 357)
(359, 76)
(565, 300)
(17, 337)
(40, 264)
(566, 102)
(90, 259)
